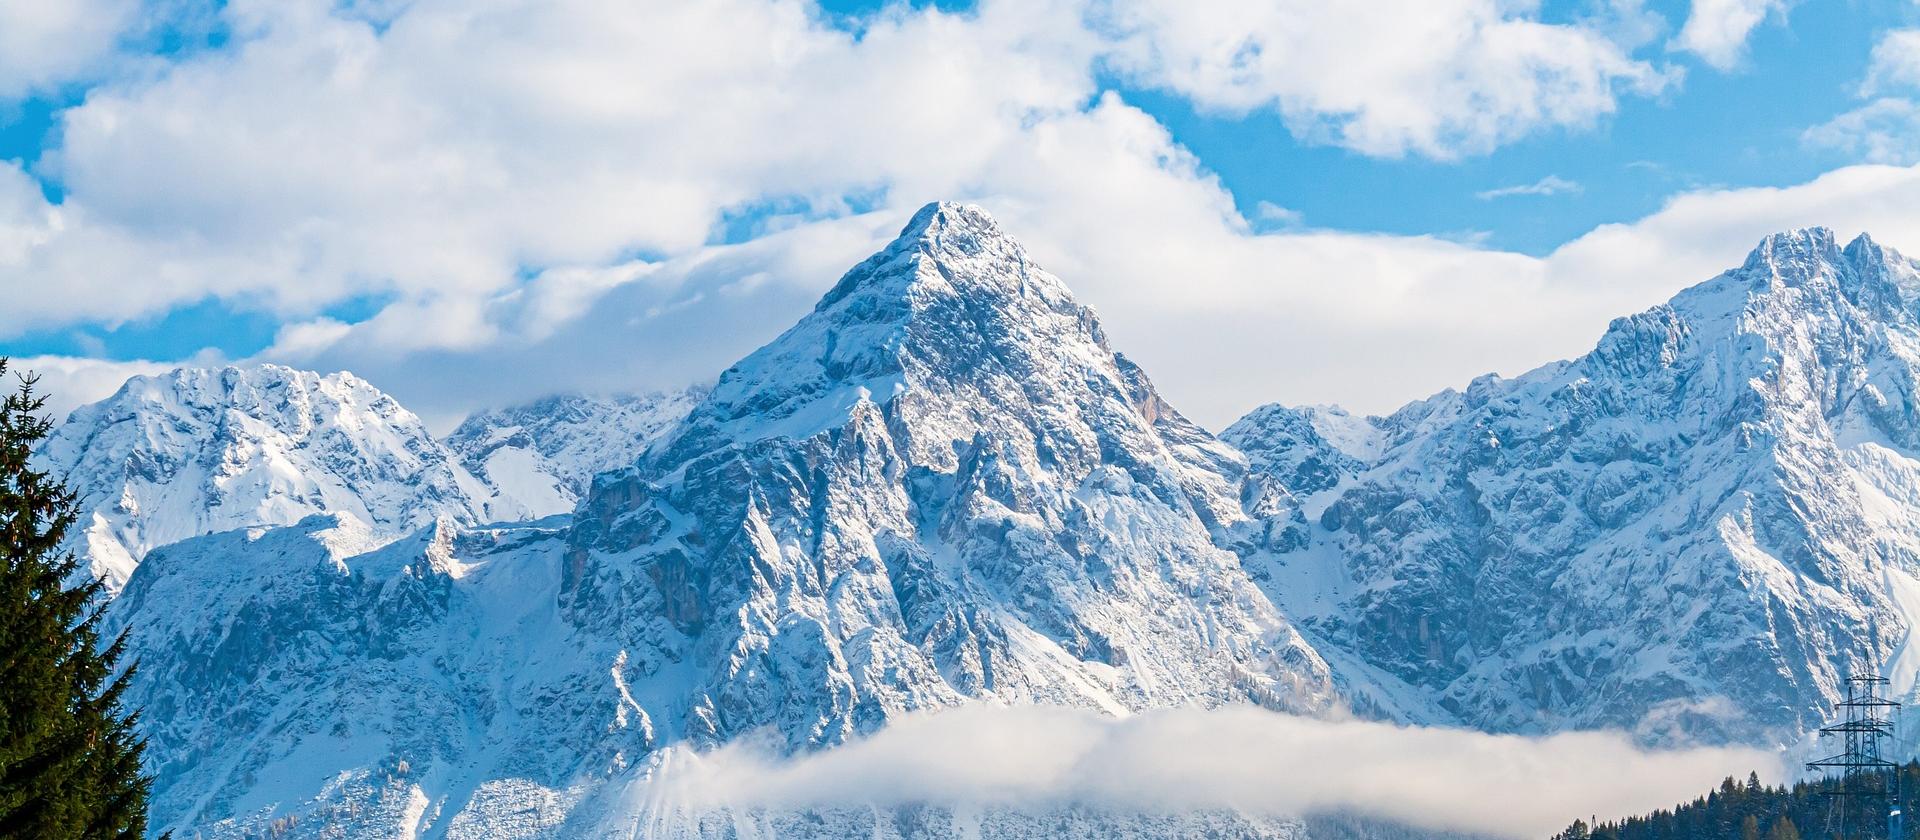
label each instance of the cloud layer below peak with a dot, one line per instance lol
(1238, 759)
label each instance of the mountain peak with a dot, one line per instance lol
(1795, 251)
(952, 299)
(941, 218)
(1812, 265)
(946, 250)
(1805, 245)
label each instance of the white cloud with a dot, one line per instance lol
(1717, 30)
(437, 154)
(1223, 317)
(70, 382)
(1241, 759)
(435, 151)
(1439, 78)
(1895, 63)
(1549, 185)
(1885, 130)
(1271, 213)
(534, 189)
(45, 43)
(27, 222)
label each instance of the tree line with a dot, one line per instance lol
(1749, 810)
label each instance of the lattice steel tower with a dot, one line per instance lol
(1865, 777)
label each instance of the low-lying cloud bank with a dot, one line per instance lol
(1242, 759)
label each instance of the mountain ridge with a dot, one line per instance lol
(942, 486)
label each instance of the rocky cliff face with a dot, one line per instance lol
(1695, 530)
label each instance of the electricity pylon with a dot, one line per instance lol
(1865, 718)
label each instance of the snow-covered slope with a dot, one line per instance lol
(939, 487)
(1296, 458)
(542, 456)
(197, 451)
(1695, 530)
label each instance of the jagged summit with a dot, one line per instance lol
(1811, 255)
(194, 451)
(1794, 251)
(944, 234)
(937, 217)
(1795, 246)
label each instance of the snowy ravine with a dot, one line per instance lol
(543, 455)
(939, 487)
(1693, 532)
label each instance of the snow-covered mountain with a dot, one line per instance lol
(197, 451)
(543, 455)
(1695, 530)
(939, 487)
(943, 487)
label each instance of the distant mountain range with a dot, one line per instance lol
(943, 487)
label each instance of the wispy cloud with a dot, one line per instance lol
(1550, 185)
(70, 382)
(1895, 64)
(1882, 131)
(1276, 216)
(1885, 129)
(1240, 759)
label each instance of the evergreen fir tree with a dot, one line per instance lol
(69, 757)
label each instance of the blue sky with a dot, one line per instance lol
(199, 183)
